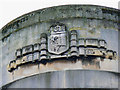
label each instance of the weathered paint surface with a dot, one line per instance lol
(27, 29)
(69, 79)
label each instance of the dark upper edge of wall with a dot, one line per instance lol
(13, 25)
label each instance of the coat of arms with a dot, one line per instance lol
(58, 39)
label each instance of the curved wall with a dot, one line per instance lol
(89, 22)
(69, 79)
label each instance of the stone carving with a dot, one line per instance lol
(27, 49)
(43, 47)
(36, 53)
(58, 45)
(58, 39)
(18, 53)
(73, 43)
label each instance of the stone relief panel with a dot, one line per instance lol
(58, 39)
(61, 43)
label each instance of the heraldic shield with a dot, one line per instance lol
(58, 39)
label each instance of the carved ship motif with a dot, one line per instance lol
(58, 45)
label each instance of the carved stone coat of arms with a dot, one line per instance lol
(58, 39)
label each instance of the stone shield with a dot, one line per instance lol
(58, 39)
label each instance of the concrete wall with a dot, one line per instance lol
(26, 30)
(69, 79)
